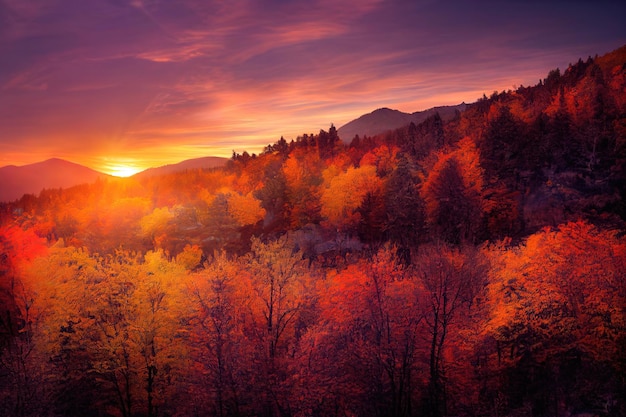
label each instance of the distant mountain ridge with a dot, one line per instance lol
(206, 162)
(15, 181)
(385, 119)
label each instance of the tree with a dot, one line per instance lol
(345, 193)
(245, 209)
(372, 218)
(302, 172)
(405, 210)
(116, 222)
(22, 370)
(156, 333)
(327, 142)
(156, 225)
(220, 230)
(363, 353)
(453, 194)
(502, 145)
(451, 279)
(273, 196)
(383, 158)
(190, 258)
(420, 140)
(61, 279)
(557, 307)
(218, 344)
(278, 283)
(111, 325)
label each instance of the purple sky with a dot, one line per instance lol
(148, 82)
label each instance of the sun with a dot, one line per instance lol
(120, 166)
(123, 170)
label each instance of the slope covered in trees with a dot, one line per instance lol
(470, 267)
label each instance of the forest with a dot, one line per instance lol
(470, 267)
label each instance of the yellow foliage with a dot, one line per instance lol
(346, 192)
(329, 173)
(155, 223)
(190, 257)
(245, 209)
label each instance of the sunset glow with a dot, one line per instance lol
(128, 79)
(120, 167)
(123, 171)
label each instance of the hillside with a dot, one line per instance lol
(207, 162)
(32, 178)
(382, 120)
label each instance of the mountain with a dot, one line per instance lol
(52, 173)
(15, 181)
(381, 120)
(196, 163)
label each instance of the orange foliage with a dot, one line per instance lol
(245, 209)
(566, 286)
(453, 193)
(302, 173)
(383, 158)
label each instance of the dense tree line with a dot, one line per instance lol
(471, 267)
(533, 329)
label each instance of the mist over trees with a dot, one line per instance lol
(469, 267)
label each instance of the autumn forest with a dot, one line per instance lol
(472, 266)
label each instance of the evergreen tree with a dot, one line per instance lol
(405, 209)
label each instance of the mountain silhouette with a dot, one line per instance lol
(15, 181)
(206, 162)
(385, 119)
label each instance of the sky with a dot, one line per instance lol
(123, 85)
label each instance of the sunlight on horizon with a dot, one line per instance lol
(122, 170)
